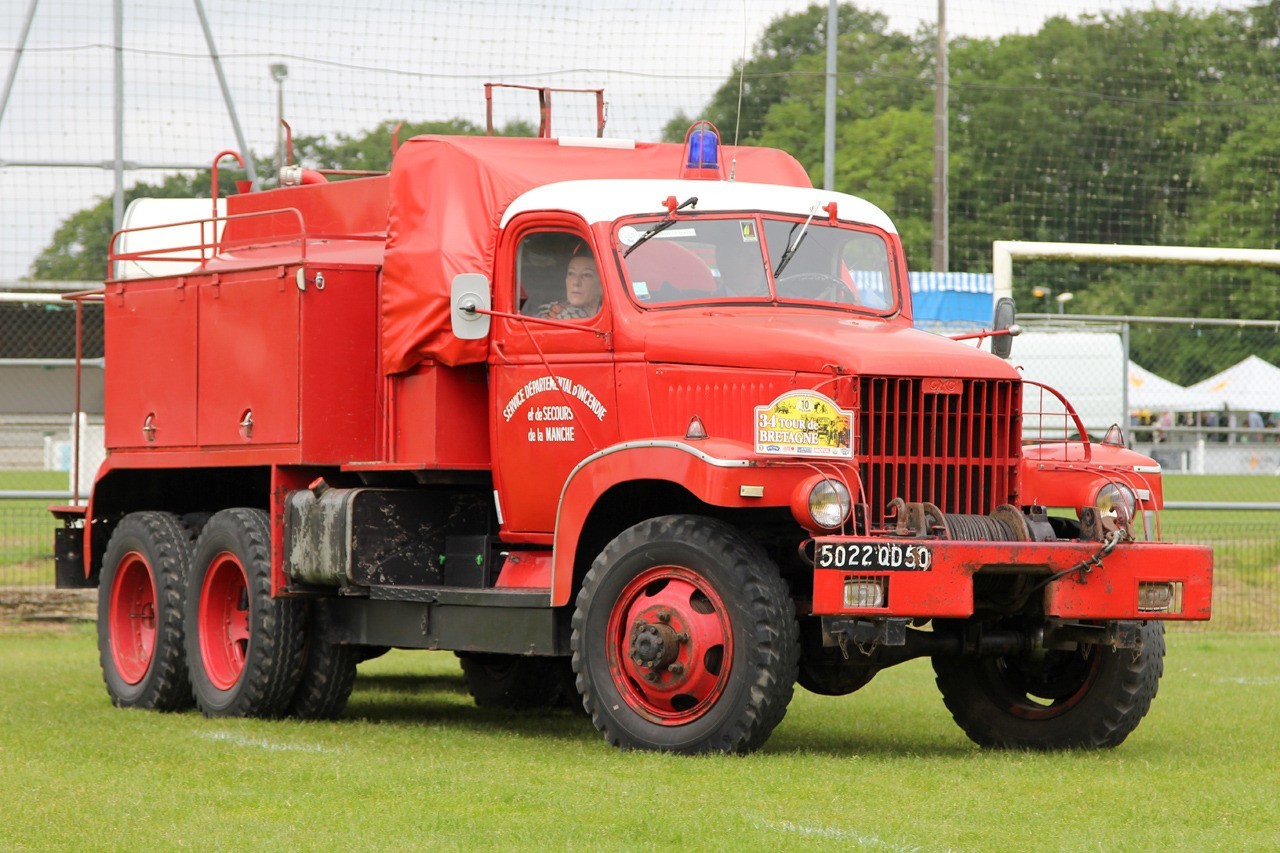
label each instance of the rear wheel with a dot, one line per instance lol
(328, 670)
(1089, 698)
(140, 597)
(685, 639)
(244, 647)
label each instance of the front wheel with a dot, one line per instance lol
(685, 639)
(1089, 698)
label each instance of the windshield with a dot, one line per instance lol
(734, 259)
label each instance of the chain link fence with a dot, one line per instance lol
(1204, 464)
(38, 386)
(1130, 122)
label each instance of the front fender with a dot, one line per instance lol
(1067, 474)
(714, 471)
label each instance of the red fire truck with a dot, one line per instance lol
(641, 427)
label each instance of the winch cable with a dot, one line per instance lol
(980, 528)
(1109, 544)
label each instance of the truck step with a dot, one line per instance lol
(463, 596)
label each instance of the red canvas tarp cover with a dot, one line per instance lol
(448, 194)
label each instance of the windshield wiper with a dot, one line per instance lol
(691, 201)
(791, 249)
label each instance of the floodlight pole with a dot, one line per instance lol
(17, 57)
(829, 134)
(226, 93)
(117, 115)
(940, 145)
(279, 73)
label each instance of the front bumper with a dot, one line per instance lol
(944, 589)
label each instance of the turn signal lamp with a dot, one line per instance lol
(1114, 436)
(695, 431)
(702, 152)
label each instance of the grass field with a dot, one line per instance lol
(26, 542)
(413, 764)
(41, 481)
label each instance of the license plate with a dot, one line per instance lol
(873, 556)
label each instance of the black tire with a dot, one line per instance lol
(140, 607)
(1090, 698)
(328, 670)
(364, 653)
(562, 671)
(244, 648)
(833, 679)
(685, 639)
(193, 523)
(513, 682)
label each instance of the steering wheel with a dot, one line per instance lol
(812, 285)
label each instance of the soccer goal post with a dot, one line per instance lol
(1003, 253)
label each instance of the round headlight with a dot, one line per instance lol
(1116, 501)
(829, 503)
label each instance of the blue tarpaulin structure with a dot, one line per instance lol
(952, 300)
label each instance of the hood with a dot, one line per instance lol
(812, 342)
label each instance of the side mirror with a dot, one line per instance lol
(1002, 320)
(468, 297)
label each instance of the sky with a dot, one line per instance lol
(348, 71)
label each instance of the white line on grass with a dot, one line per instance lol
(1266, 679)
(261, 743)
(832, 832)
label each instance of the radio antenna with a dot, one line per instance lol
(737, 119)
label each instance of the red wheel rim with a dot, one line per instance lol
(131, 617)
(1042, 697)
(224, 620)
(670, 645)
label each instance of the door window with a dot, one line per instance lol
(557, 277)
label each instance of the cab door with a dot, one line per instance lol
(551, 365)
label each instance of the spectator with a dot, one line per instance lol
(1256, 422)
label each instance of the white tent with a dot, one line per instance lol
(1157, 394)
(1252, 385)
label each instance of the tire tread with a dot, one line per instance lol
(772, 632)
(274, 666)
(160, 532)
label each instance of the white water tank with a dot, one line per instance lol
(185, 240)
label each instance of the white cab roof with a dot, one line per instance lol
(607, 200)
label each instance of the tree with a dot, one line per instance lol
(1147, 127)
(888, 159)
(780, 61)
(372, 149)
(78, 249)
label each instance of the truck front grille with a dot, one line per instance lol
(951, 442)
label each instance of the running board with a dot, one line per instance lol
(499, 621)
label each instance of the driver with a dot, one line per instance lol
(582, 294)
